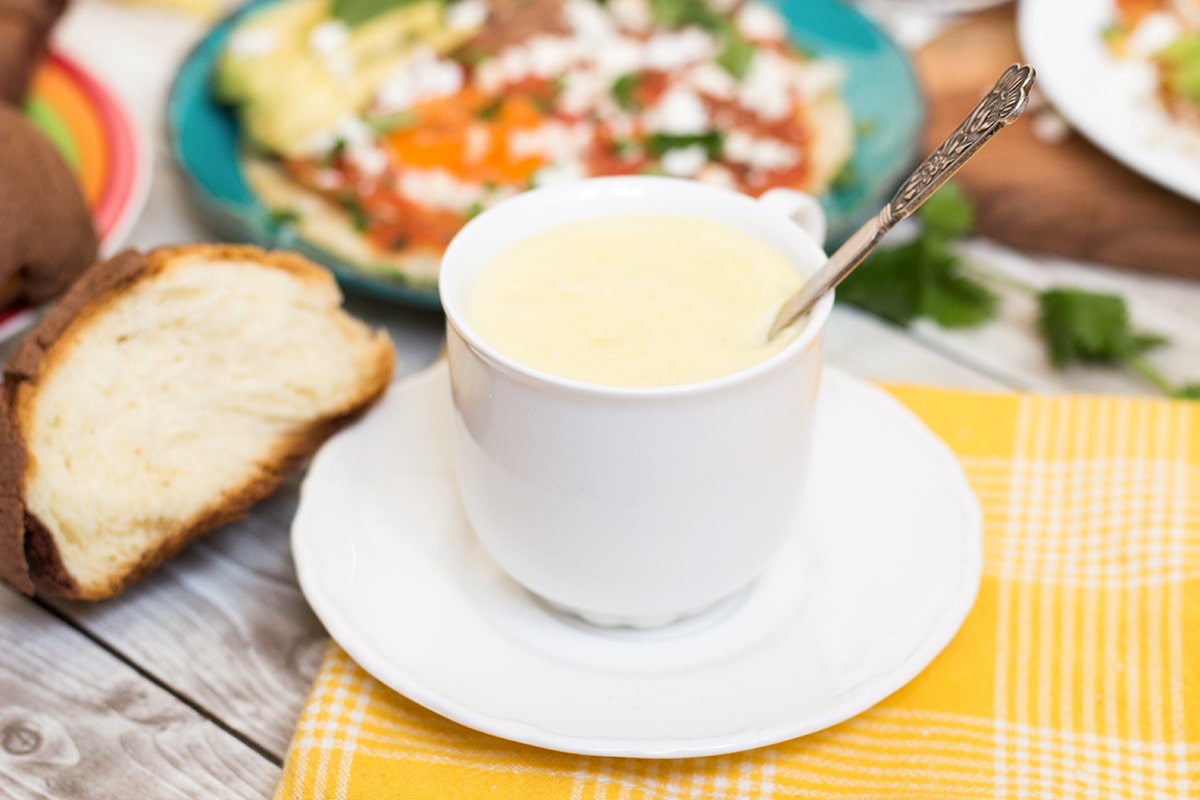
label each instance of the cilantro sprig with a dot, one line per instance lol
(925, 278)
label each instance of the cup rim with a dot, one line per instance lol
(454, 305)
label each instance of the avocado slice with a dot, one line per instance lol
(289, 94)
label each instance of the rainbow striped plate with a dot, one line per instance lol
(100, 143)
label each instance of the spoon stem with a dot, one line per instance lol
(1002, 105)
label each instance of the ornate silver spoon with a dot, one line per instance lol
(1003, 104)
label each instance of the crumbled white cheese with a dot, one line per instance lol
(515, 64)
(678, 111)
(328, 37)
(588, 20)
(676, 49)
(466, 15)
(550, 56)
(352, 131)
(439, 189)
(584, 90)
(760, 153)
(631, 15)
(562, 172)
(765, 89)
(253, 42)
(422, 77)
(619, 57)
(684, 162)
(370, 161)
(760, 22)
(553, 141)
(1153, 33)
(712, 80)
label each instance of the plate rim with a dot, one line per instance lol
(225, 216)
(1086, 117)
(125, 142)
(941, 630)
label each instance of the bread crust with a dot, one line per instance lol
(29, 556)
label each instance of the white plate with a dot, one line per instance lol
(881, 571)
(1110, 101)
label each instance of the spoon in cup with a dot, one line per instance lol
(1002, 105)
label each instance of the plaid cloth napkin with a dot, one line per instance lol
(1077, 673)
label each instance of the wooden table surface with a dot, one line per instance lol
(189, 684)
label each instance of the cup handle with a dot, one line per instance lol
(800, 208)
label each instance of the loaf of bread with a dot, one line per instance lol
(24, 29)
(165, 395)
(47, 238)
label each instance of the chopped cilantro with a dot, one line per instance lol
(279, 217)
(474, 210)
(1189, 391)
(333, 155)
(490, 111)
(623, 89)
(358, 214)
(736, 53)
(658, 144)
(1083, 326)
(948, 213)
(925, 277)
(625, 148)
(681, 13)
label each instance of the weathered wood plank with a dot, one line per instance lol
(223, 624)
(77, 723)
(874, 350)
(1010, 350)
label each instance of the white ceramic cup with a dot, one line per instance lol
(631, 506)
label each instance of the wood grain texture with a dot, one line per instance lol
(1068, 199)
(77, 723)
(1010, 351)
(224, 624)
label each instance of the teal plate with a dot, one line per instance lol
(881, 91)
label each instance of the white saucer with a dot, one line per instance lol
(883, 567)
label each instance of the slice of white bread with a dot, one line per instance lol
(165, 395)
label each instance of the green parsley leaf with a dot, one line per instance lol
(279, 217)
(358, 214)
(657, 144)
(736, 53)
(680, 13)
(1084, 326)
(1189, 391)
(623, 89)
(888, 284)
(954, 300)
(490, 111)
(922, 278)
(948, 214)
(925, 276)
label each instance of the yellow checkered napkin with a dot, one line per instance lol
(1077, 674)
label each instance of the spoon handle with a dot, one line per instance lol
(1002, 105)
